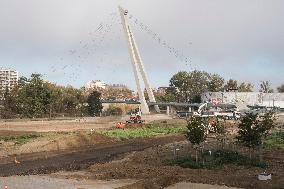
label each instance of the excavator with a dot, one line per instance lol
(135, 119)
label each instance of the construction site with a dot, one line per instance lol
(93, 153)
(201, 131)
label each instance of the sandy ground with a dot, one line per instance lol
(71, 125)
(59, 125)
(145, 160)
(60, 135)
(151, 167)
(56, 181)
(187, 185)
(51, 182)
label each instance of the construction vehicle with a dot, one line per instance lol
(135, 118)
(226, 111)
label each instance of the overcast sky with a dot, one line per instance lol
(74, 41)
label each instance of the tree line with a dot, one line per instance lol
(35, 98)
(188, 86)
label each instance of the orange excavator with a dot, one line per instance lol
(135, 119)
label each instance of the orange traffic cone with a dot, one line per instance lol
(5, 187)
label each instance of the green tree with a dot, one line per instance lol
(231, 85)
(245, 87)
(9, 104)
(34, 97)
(73, 101)
(265, 87)
(198, 84)
(188, 87)
(180, 85)
(196, 133)
(280, 89)
(252, 129)
(94, 103)
(216, 83)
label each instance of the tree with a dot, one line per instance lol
(9, 104)
(167, 97)
(280, 89)
(265, 87)
(245, 87)
(196, 133)
(179, 84)
(34, 96)
(252, 129)
(198, 84)
(216, 83)
(188, 86)
(94, 103)
(231, 85)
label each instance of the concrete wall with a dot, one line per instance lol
(242, 99)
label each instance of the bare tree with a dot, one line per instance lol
(265, 87)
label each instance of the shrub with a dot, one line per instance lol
(252, 129)
(113, 110)
(196, 133)
(218, 159)
(275, 140)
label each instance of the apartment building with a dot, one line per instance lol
(8, 78)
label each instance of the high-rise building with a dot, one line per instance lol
(8, 79)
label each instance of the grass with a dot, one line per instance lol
(275, 141)
(148, 130)
(21, 139)
(218, 159)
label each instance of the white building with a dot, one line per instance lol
(242, 99)
(117, 86)
(95, 84)
(8, 79)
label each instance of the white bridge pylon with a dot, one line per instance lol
(137, 64)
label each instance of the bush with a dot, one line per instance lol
(113, 110)
(218, 159)
(253, 129)
(275, 140)
(196, 133)
(21, 139)
(141, 132)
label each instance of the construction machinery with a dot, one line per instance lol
(135, 118)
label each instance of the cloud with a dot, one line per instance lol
(241, 39)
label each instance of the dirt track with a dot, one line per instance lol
(47, 162)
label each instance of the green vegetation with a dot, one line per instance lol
(141, 132)
(218, 159)
(21, 139)
(253, 130)
(94, 103)
(196, 133)
(275, 141)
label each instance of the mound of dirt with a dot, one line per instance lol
(151, 167)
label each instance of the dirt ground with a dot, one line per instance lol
(57, 125)
(143, 160)
(78, 158)
(151, 168)
(69, 125)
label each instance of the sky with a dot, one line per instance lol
(71, 42)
